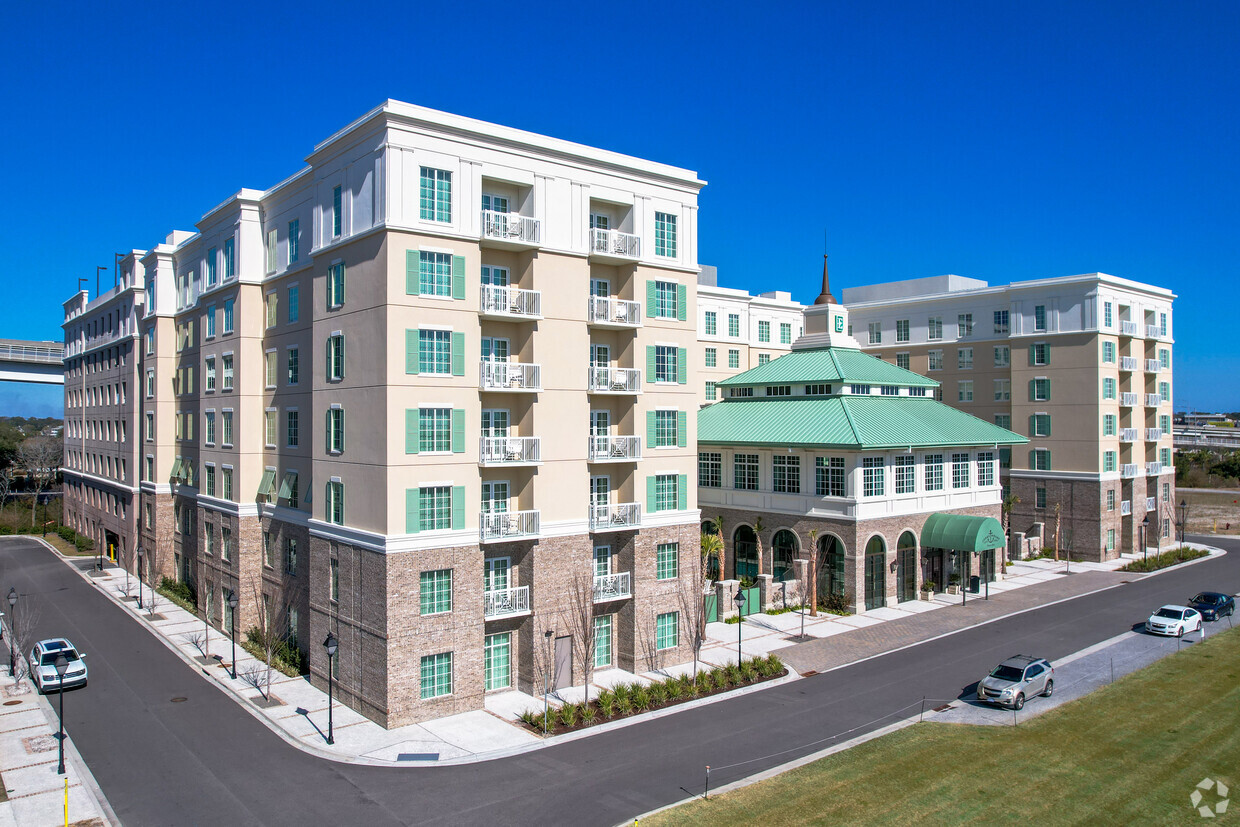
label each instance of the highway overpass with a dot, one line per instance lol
(41, 363)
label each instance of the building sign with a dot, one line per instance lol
(839, 324)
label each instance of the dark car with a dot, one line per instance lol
(1214, 605)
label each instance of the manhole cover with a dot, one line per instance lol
(11, 703)
(179, 700)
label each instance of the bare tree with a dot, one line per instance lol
(41, 457)
(267, 614)
(758, 528)
(692, 594)
(580, 616)
(6, 486)
(812, 573)
(22, 625)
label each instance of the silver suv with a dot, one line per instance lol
(1017, 678)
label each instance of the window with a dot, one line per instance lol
(734, 358)
(1108, 424)
(290, 430)
(1107, 318)
(667, 561)
(876, 333)
(763, 358)
(270, 370)
(1005, 457)
(712, 356)
(667, 630)
(1108, 464)
(1162, 324)
(745, 472)
(960, 471)
(434, 429)
(225, 544)
(1041, 389)
(497, 660)
(666, 493)
(294, 240)
(1040, 425)
(902, 360)
(739, 393)
(872, 474)
(1039, 497)
(712, 322)
(435, 351)
(333, 584)
(665, 431)
(964, 358)
(602, 641)
(665, 367)
(1164, 457)
(904, 474)
(209, 480)
(335, 357)
(711, 393)
(227, 361)
(436, 591)
(228, 316)
(434, 274)
(1039, 317)
(230, 258)
(335, 430)
(664, 235)
(269, 428)
(434, 508)
(1001, 321)
(337, 211)
(934, 359)
(226, 482)
(734, 325)
(902, 330)
(335, 502)
(1111, 500)
(934, 328)
(1164, 424)
(209, 534)
(211, 321)
(1108, 352)
(764, 331)
(933, 471)
(212, 271)
(1003, 356)
(1111, 533)
(226, 428)
(785, 333)
(1003, 390)
(335, 285)
(1040, 459)
(964, 325)
(1164, 358)
(436, 672)
(778, 390)
(1039, 353)
(1164, 391)
(829, 476)
(985, 469)
(435, 195)
(859, 390)
(787, 474)
(1108, 388)
(271, 306)
(666, 305)
(292, 366)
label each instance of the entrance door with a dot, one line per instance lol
(497, 660)
(563, 663)
(875, 574)
(112, 544)
(906, 568)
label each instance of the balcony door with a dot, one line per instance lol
(600, 491)
(600, 356)
(598, 221)
(600, 423)
(495, 422)
(600, 288)
(497, 203)
(495, 276)
(494, 497)
(602, 561)
(495, 577)
(494, 349)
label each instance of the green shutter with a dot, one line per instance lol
(328, 430)
(682, 302)
(458, 277)
(458, 430)
(411, 430)
(682, 365)
(411, 351)
(1032, 463)
(1031, 356)
(1030, 390)
(412, 510)
(1033, 421)
(413, 273)
(1048, 460)
(458, 507)
(340, 298)
(1048, 424)
(1048, 390)
(1047, 352)
(650, 493)
(651, 428)
(682, 492)
(682, 428)
(651, 301)
(458, 354)
(342, 360)
(650, 363)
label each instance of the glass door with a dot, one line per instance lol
(494, 423)
(602, 561)
(494, 497)
(496, 575)
(494, 350)
(495, 276)
(497, 661)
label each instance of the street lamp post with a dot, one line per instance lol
(330, 645)
(1183, 519)
(13, 632)
(1145, 552)
(139, 577)
(62, 664)
(547, 681)
(740, 621)
(232, 616)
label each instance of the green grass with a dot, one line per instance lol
(1129, 753)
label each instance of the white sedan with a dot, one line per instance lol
(1174, 620)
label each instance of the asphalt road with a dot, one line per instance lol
(207, 761)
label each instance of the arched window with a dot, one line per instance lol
(830, 567)
(745, 549)
(875, 573)
(906, 567)
(785, 546)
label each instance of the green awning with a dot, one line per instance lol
(287, 486)
(960, 532)
(176, 469)
(266, 486)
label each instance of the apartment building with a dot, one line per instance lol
(1080, 364)
(101, 366)
(739, 331)
(430, 394)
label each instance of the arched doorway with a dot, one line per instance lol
(745, 552)
(906, 567)
(785, 547)
(875, 573)
(831, 568)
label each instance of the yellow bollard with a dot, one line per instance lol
(66, 802)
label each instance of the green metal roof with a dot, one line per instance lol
(961, 532)
(850, 422)
(829, 364)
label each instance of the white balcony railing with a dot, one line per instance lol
(1153, 469)
(1150, 503)
(615, 380)
(615, 448)
(1127, 434)
(615, 243)
(1128, 362)
(509, 376)
(604, 310)
(505, 602)
(1128, 470)
(507, 525)
(510, 226)
(1153, 434)
(615, 517)
(1125, 508)
(612, 586)
(509, 450)
(1152, 366)
(1128, 400)
(1153, 400)
(511, 301)
(1128, 328)
(1153, 331)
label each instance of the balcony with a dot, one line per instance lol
(1152, 366)
(515, 377)
(1153, 331)
(1153, 434)
(615, 380)
(1128, 470)
(616, 313)
(1150, 503)
(1128, 400)
(1153, 469)
(510, 230)
(1128, 328)
(509, 450)
(612, 587)
(615, 449)
(510, 303)
(613, 245)
(506, 602)
(1153, 400)
(1127, 434)
(1128, 363)
(1125, 508)
(507, 525)
(615, 517)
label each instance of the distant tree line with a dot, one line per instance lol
(1207, 469)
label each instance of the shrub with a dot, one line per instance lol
(658, 694)
(67, 534)
(622, 692)
(732, 674)
(568, 715)
(773, 664)
(836, 604)
(1167, 558)
(589, 714)
(285, 657)
(749, 671)
(624, 703)
(674, 689)
(83, 543)
(641, 699)
(607, 703)
(528, 717)
(179, 593)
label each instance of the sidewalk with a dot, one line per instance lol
(297, 711)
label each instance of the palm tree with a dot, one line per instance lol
(813, 569)
(712, 548)
(722, 546)
(1009, 502)
(758, 528)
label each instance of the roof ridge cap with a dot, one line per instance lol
(838, 368)
(848, 415)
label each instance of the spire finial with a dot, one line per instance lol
(825, 296)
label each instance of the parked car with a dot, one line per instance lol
(1016, 679)
(1213, 605)
(43, 664)
(1174, 620)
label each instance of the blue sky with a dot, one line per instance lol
(999, 141)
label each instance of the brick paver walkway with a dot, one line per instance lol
(847, 647)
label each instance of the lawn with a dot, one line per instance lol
(1130, 753)
(1210, 512)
